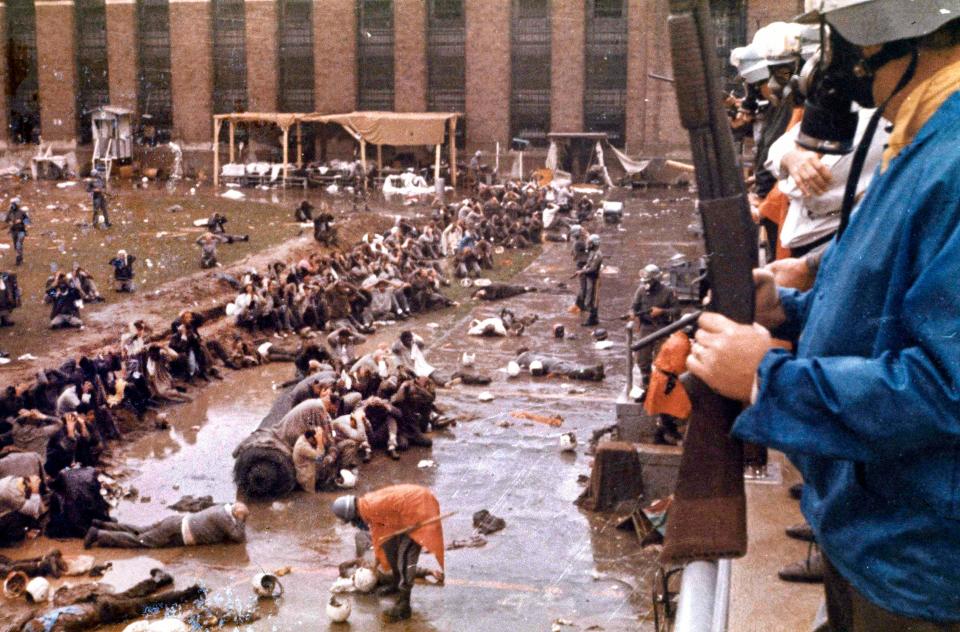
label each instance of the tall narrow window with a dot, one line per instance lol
(605, 84)
(375, 54)
(446, 59)
(530, 70)
(296, 56)
(93, 85)
(730, 25)
(22, 86)
(229, 57)
(154, 98)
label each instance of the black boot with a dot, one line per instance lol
(401, 608)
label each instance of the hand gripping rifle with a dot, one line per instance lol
(708, 515)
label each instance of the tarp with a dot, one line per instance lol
(392, 128)
(377, 128)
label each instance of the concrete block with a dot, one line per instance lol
(633, 423)
(659, 465)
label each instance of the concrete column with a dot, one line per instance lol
(335, 55)
(637, 78)
(410, 55)
(57, 72)
(656, 108)
(763, 12)
(488, 73)
(262, 50)
(4, 78)
(122, 52)
(191, 70)
(568, 21)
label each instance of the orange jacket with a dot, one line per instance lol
(400, 506)
(672, 358)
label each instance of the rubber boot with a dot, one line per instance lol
(401, 608)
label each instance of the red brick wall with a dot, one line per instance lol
(763, 12)
(335, 55)
(261, 24)
(4, 129)
(191, 69)
(122, 53)
(487, 73)
(57, 70)
(410, 55)
(567, 60)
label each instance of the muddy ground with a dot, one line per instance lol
(168, 275)
(553, 561)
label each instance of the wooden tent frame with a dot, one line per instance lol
(285, 121)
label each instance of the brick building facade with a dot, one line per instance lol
(514, 67)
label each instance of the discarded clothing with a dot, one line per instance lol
(486, 523)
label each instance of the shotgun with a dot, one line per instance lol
(708, 515)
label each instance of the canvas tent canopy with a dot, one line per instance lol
(400, 129)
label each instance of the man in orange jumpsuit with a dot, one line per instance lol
(665, 394)
(402, 520)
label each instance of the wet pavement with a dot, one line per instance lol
(553, 561)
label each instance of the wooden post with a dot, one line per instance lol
(232, 136)
(436, 164)
(380, 161)
(299, 146)
(216, 152)
(453, 151)
(363, 161)
(286, 152)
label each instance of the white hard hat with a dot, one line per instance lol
(778, 42)
(513, 369)
(37, 590)
(338, 611)
(536, 367)
(871, 22)
(568, 442)
(364, 579)
(266, 585)
(650, 272)
(595, 239)
(347, 479)
(750, 64)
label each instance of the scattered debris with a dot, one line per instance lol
(486, 523)
(554, 421)
(568, 442)
(473, 542)
(425, 464)
(338, 611)
(486, 396)
(192, 504)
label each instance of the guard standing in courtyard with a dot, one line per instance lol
(18, 220)
(654, 306)
(98, 197)
(590, 278)
(402, 520)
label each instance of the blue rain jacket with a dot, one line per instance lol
(868, 408)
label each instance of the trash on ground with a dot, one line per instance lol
(486, 396)
(473, 542)
(426, 464)
(487, 523)
(549, 420)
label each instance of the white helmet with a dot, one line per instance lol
(338, 611)
(37, 590)
(651, 272)
(872, 22)
(364, 579)
(750, 64)
(347, 479)
(513, 369)
(536, 368)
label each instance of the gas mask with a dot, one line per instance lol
(836, 78)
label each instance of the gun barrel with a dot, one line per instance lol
(660, 334)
